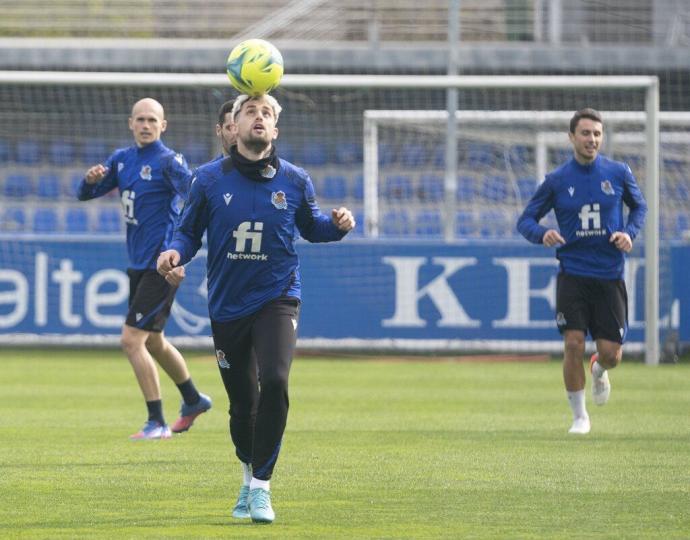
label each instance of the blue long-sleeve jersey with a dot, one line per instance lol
(153, 182)
(588, 203)
(251, 227)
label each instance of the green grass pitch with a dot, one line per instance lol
(374, 449)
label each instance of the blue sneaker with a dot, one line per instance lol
(152, 430)
(241, 511)
(188, 413)
(259, 503)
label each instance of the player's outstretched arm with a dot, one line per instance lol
(167, 266)
(343, 219)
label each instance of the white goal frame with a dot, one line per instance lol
(648, 84)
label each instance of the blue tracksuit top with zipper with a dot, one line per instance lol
(153, 182)
(251, 227)
(588, 203)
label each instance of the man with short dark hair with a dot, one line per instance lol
(224, 129)
(587, 194)
(251, 206)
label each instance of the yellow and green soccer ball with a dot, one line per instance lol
(255, 67)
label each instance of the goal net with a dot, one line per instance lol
(56, 285)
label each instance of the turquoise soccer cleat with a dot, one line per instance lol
(260, 509)
(241, 510)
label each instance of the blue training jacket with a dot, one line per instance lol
(251, 227)
(588, 203)
(153, 182)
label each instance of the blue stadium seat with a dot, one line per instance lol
(465, 225)
(682, 225)
(466, 190)
(286, 151)
(494, 224)
(46, 220)
(682, 192)
(557, 156)
(438, 158)
(76, 220)
(196, 153)
(526, 187)
(334, 187)
(48, 186)
(495, 189)
(672, 165)
(4, 151)
(413, 155)
(428, 223)
(18, 186)
(398, 187)
(481, 156)
(72, 184)
(13, 219)
(521, 157)
(94, 151)
(28, 152)
(387, 154)
(348, 153)
(430, 188)
(109, 221)
(395, 223)
(358, 187)
(61, 153)
(314, 154)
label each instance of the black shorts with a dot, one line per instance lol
(597, 306)
(150, 300)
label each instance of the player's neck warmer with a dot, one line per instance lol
(261, 170)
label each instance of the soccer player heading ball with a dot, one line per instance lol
(251, 205)
(587, 194)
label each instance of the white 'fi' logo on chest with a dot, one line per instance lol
(227, 197)
(571, 190)
(145, 172)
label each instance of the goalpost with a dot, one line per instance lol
(650, 119)
(358, 94)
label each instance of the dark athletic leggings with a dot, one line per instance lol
(254, 357)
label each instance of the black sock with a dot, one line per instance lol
(189, 392)
(155, 408)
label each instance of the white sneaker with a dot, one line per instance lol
(601, 387)
(581, 426)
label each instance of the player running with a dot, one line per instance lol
(587, 194)
(152, 180)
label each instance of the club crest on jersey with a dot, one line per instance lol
(278, 199)
(607, 188)
(560, 319)
(179, 158)
(228, 198)
(571, 190)
(120, 166)
(222, 361)
(145, 172)
(268, 172)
